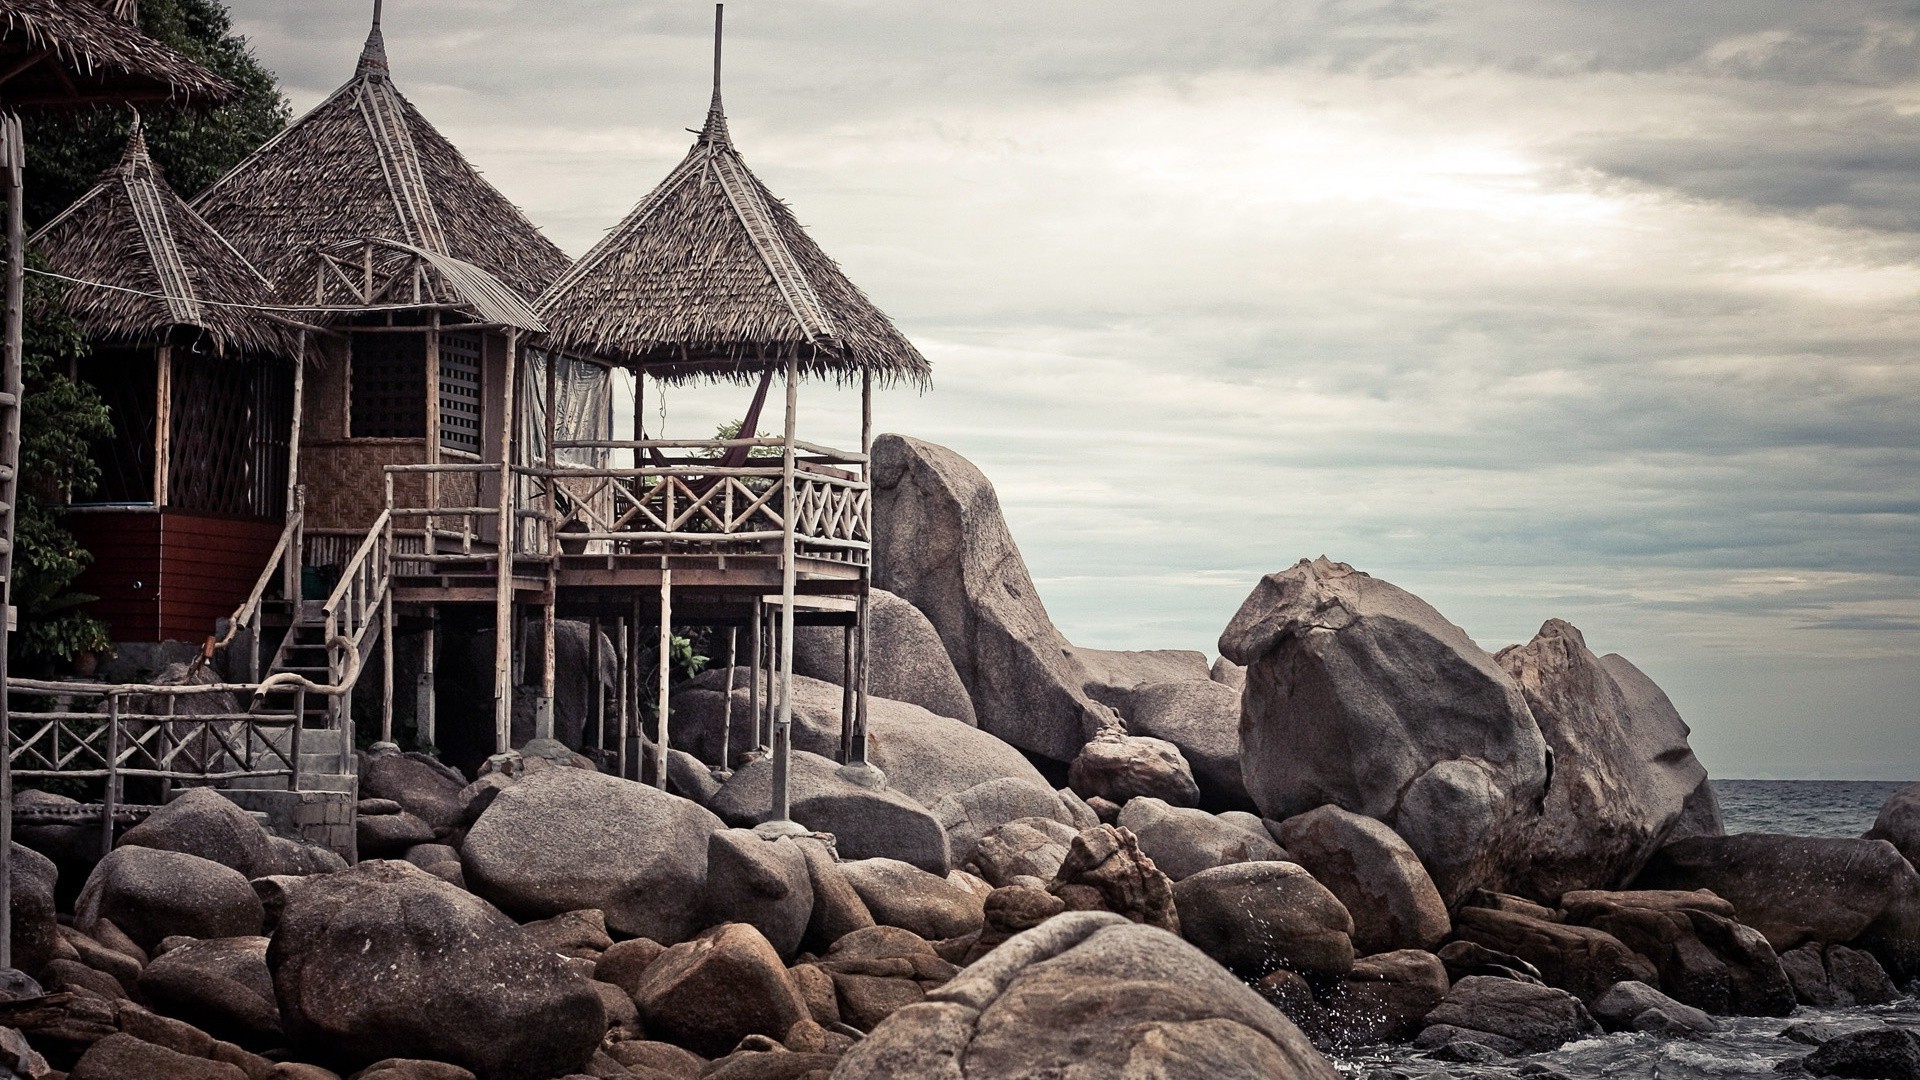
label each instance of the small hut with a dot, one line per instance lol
(711, 278)
(424, 271)
(200, 383)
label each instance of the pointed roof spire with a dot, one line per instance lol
(135, 156)
(715, 131)
(373, 58)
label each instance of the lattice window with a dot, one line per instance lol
(460, 392)
(389, 386)
(125, 379)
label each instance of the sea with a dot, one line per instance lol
(1749, 1046)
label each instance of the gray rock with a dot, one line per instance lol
(1796, 889)
(1080, 812)
(709, 993)
(201, 821)
(1375, 874)
(761, 883)
(579, 934)
(1113, 676)
(1105, 871)
(120, 1056)
(1634, 1006)
(1088, 996)
(1887, 1053)
(867, 822)
(905, 658)
(981, 808)
(384, 960)
(1182, 841)
(1361, 695)
(573, 685)
(35, 927)
(837, 908)
(298, 858)
(941, 544)
(152, 894)
(1654, 722)
(1202, 718)
(1260, 916)
(219, 985)
(1835, 976)
(1622, 768)
(1534, 1019)
(1228, 674)
(1024, 847)
(421, 784)
(1119, 767)
(382, 836)
(563, 839)
(1464, 958)
(903, 895)
(1386, 996)
(691, 778)
(1899, 822)
(922, 754)
(1705, 958)
(1578, 959)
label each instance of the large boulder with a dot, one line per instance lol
(869, 822)
(980, 809)
(1361, 695)
(1024, 847)
(1385, 996)
(1654, 722)
(1899, 822)
(562, 839)
(900, 894)
(1835, 976)
(1104, 870)
(420, 783)
(1578, 959)
(709, 993)
(385, 960)
(1116, 766)
(1796, 889)
(201, 821)
(1113, 676)
(219, 985)
(921, 753)
(1375, 874)
(941, 544)
(574, 685)
(905, 659)
(1202, 718)
(1635, 1006)
(1258, 917)
(152, 894)
(122, 1057)
(35, 928)
(1087, 996)
(1705, 957)
(761, 883)
(1622, 769)
(1511, 1017)
(1182, 841)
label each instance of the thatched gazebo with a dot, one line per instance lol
(712, 278)
(202, 387)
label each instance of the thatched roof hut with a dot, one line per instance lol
(712, 277)
(364, 164)
(75, 52)
(157, 267)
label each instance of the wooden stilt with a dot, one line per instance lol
(863, 608)
(597, 709)
(12, 149)
(504, 528)
(425, 697)
(543, 714)
(629, 752)
(666, 676)
(779, 821)
(846, 695)
(725, 764)
(623, 662)
(758, 646)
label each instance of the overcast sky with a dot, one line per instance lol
(1598, 310)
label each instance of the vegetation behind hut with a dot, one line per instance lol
(67, 151)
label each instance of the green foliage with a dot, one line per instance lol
(59, 418)
(731, 430)
(66, 151)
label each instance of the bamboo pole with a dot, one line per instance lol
(623, 662)
(599, 712)
(543, 712)
(162, 423)
(10, 383)
(426, 693)
(666, 675)
(726, 708)
(779, 821)
(758, 645)
(503, 575)
(863, 608)
(296, 504)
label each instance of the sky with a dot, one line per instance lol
(1585, 309)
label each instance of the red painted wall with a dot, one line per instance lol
(169, 575)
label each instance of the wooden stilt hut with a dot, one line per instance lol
(712, 279)
(200, 381)
(57, 54)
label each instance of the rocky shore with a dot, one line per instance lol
(1355, 827)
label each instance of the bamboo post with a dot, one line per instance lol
(632, 734)
(13, 145)
(863, 607)
(779, 823)
(111, 800)
(504, 527)
(758, 645)
(162, 423)
(386, 633)
(726, 708)
(846, 695)
(296, 499)
(543, 711)
(599, 697)
(666, 676)
(623, 661)
(425, 693)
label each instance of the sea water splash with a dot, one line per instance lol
(1747, 1046)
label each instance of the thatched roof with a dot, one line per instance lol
(364, 164)
(76, 52)
(711, 276)
(163, 267)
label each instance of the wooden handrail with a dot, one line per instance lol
(245, 613)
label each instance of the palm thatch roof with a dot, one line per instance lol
(157, 266)
(75, 52)
(364, 164)
(712, 277)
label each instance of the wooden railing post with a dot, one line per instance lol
(111, 800)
